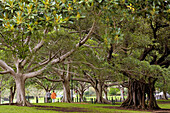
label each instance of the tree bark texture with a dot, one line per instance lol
(66, 91)
(137, 92)
(99, 91)
(164, 95)
(20, 90)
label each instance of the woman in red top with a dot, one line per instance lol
(53, 96)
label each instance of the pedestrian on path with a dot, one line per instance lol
(53, 96)
(48, 96)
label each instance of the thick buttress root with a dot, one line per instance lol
(25, 104)
(140, 96)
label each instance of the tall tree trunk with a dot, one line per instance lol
(66, 91)
(20, 89)
(137, 91)
(81, 93)
(98, 96)
(152, 101)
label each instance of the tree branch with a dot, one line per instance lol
(145, 53)
(59, 80)
(56, 69)
(86, 63)
(7, 68)
(35, 73)
(81, 79)
(4, 72)
(63, 57)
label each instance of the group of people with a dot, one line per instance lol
(50, 96)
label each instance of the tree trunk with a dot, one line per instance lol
(122, 92)
(164, 95)
(135, 95)
(81, 93)
(12, 93)
(66, 91)
(0, 90)
(99, 97)
(105, 93)
(152, 101)
(137, 91)
(0, 95)
(20, 88)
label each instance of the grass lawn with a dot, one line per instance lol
(68, 107)
(164, 104)
(91, 108)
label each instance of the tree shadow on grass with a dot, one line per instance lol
(68, 109)
(53, 108)
(153, 111)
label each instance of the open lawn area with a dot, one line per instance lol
(78, 108)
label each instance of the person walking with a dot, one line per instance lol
(53, 96)
(48, 96)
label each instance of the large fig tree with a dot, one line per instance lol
(26, 28)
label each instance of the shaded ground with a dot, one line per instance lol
(163, 102)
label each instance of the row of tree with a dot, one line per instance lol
(97, 43)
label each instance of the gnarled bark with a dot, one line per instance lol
(99, 91)
(137, 95)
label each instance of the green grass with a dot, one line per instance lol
(165, 104)
(17, 109)
(93, 108)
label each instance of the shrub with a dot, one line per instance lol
(113, 91)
